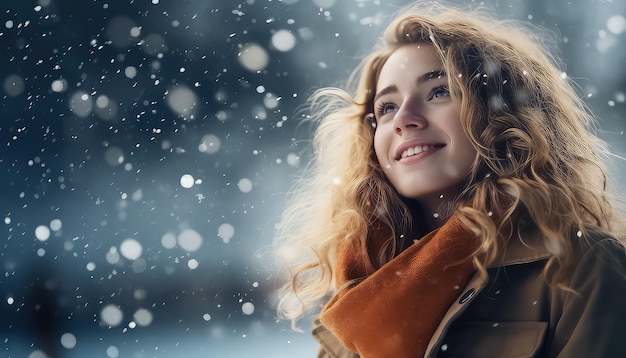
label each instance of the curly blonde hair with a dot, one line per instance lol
(537, 156)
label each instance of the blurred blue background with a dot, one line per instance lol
(147, 146)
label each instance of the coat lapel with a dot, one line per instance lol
(517, 251)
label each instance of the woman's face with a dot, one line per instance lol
(419, 141)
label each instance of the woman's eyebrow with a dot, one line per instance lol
(436, 74)
(386, 90)
(430, 76)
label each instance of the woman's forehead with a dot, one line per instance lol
(411, 60)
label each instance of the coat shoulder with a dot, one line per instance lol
(602, 248)
(592, 315)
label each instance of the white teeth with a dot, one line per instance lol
(416, 150)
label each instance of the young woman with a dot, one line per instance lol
(457, 204)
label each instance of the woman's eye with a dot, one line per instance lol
(440, 92)
(388, 108)
(385, 108)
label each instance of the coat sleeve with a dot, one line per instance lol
(593, 320)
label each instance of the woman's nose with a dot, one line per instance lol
(408, 117)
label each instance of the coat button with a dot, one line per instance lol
(467, 295)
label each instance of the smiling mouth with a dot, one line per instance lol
(417, 150)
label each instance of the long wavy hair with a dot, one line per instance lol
(538, 159)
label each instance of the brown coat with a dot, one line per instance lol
(515, 313)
